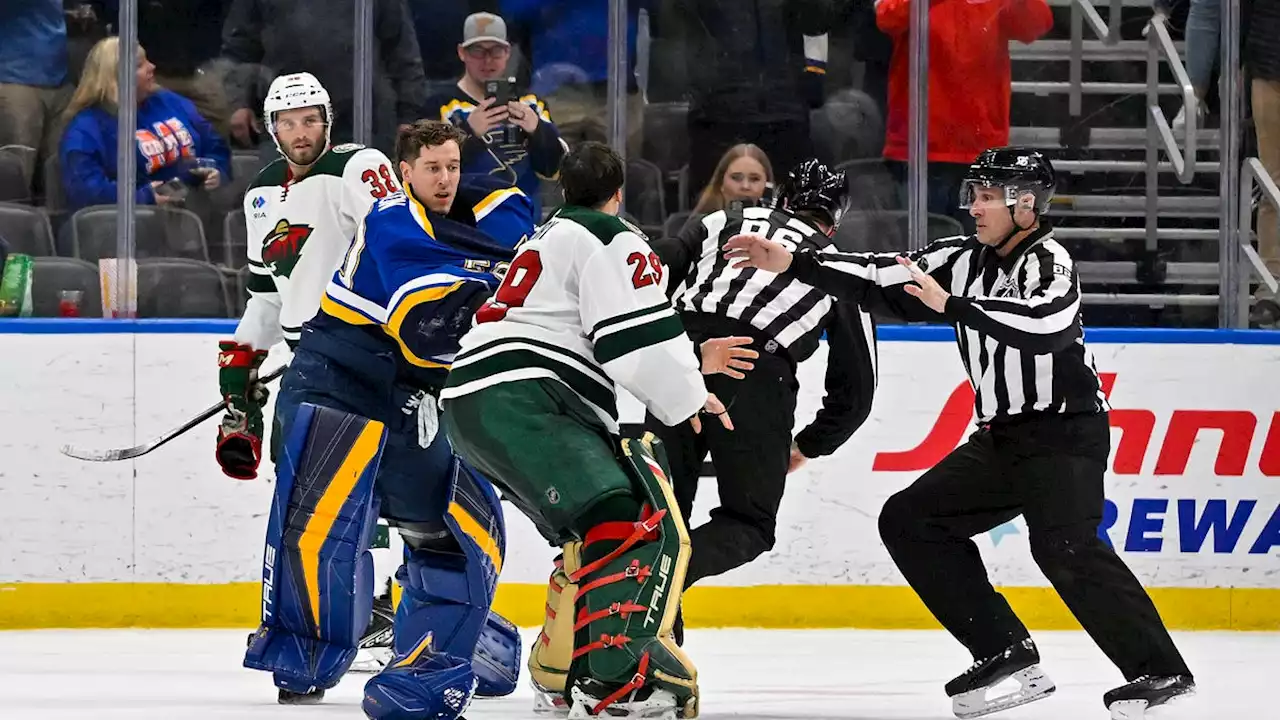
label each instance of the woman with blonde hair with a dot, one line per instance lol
(743, 173)
(176, 146)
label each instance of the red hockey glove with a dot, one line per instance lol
(239, 449)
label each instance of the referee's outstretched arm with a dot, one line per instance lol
(1044, 320)
(876, 280)
(850, 384)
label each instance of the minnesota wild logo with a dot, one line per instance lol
(282, 248)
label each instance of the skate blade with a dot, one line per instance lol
(549, 705)
(371, 661)
(1034, 684)
(1140, 709)
(661, 705)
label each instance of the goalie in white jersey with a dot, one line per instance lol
(300, 214)
(531, 403)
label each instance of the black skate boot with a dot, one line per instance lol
(288, 697)
(1132, 700)
(968, 692)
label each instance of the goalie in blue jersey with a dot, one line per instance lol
(359, 438)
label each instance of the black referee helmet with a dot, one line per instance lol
(811, 187)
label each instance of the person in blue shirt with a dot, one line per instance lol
(174, 141)
(33, 74)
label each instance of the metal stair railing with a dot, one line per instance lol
(1108, 32)
(1159, 43)
(1252, 174)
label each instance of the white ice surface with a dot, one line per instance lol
(744, 674)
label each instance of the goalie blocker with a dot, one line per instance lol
(608, 646)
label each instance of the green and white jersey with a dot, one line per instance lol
(584, 303)
(299, 230)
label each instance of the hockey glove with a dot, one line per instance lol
(240, 435)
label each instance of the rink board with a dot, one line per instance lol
(167, 541)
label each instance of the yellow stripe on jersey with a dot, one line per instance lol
(419, 212)
(329, 306)
(410, 301)
(453, 107)
(493, 200)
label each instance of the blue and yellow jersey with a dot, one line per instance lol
(413, 278)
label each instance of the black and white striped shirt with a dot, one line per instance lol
(785, 310)
(787, 316)
(1017, 318)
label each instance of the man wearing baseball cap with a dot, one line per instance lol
(509, 133)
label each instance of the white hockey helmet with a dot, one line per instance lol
(290, 92)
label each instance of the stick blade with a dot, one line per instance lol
(100, 455)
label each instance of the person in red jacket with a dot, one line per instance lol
(969, 85)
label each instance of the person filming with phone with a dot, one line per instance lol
(509, 133)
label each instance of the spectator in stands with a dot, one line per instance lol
(267, 38)
(183, 38)
(438, 24)
(174, 142)
(1262, 60)
(755, 71)
(515, 138)
(33, 75)
(969, 86)
(743, 173)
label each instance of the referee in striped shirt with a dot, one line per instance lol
(785, 320)
(1041, 448)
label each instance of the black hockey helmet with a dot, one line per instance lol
(811, 187)
(1018, 170)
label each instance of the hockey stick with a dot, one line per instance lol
(133, 452)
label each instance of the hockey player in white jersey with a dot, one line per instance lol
(300, 212)
(531, 402)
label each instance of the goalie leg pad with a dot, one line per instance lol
(317, 583)
(553, 650)
(628, 596)
(448, 580)
(497, 658)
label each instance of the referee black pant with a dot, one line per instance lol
(1049, 469)
(750, 462)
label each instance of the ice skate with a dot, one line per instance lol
(376, 646)
(656, 705)
(548, 702)
(1132, 700)
(311, 697)
(970, 691)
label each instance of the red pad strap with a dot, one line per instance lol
(642, 530)
(605, 641)
(633, 571)
(623, 609)
(637, 682)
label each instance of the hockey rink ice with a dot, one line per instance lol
(745, 674)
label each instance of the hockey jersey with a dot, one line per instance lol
(412, 279)
(584, 303)
(298, 231)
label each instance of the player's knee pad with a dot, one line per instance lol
(317, 583)
(628, 597)
(448, 581)
(423, 685)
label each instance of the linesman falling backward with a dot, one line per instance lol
(1040, 451)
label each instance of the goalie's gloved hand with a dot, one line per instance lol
(240, 434)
